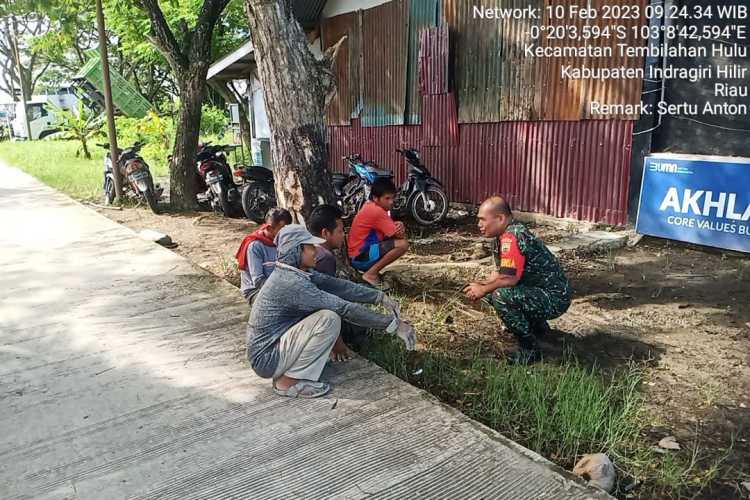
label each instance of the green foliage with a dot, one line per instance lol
(82, 125)
(55, 164)
(560, 410)
(157, 132)
(214, 121)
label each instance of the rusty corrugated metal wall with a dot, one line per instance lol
(347, 101)
(422, 15)
(433, 60)
(385, 49)
(566, 169)
(517, 128)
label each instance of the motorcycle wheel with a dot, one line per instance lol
(351, 202)
(150, 195)
(430, 207)
(224, 204)
(109, 190)
(257, 199)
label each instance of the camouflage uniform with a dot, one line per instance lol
(542, 293)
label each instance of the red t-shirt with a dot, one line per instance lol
(372, 218)
(509, 261)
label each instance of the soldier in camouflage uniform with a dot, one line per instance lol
(528, 286)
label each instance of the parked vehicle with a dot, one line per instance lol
(41, 120)
(216, 179)
(258, 193)
(136, 176)
(421, 197)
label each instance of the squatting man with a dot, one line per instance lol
(296, 317)
(528, 286)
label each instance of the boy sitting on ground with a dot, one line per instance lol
(257, 253)
(375, 240)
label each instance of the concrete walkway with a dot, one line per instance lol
(122, 376)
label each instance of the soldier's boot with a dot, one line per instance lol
(540, 328)
(528, 352)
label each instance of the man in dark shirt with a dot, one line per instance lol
(528, 286)
(326, 223)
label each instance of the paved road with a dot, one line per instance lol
(122, 376)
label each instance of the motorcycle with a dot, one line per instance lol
(258, 193)
(215, 179)
(135, 170)
(421, 196)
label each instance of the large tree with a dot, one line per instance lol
(20, 28)
(188, 51)
(297, 88)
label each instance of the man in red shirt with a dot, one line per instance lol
(375, 240)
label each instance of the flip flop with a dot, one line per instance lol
(378, 285)
(305, 389)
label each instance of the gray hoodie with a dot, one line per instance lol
(290, 295)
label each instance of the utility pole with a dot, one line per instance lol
(111, 131)
(19, 66)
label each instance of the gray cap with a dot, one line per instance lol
(290, 239)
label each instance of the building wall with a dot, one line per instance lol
(484, 123)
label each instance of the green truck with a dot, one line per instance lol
(125, 97)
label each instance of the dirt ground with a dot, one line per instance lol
(683, 311)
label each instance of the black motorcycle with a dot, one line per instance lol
(215, 179)
(258, 193)
(136, 172)
(421, 196)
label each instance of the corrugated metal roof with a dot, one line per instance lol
(422, 15)
(434, 56)
(308, 12)
(385, 44)
(347, 102)
(576, 169)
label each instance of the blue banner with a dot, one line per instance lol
(700, 200)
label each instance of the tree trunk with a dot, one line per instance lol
(85, 149)
(183, 187)
(296, 88)
(246, 131)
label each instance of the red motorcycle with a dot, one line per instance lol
(216, 180)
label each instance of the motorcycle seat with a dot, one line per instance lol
(258, 173)
(378, 171)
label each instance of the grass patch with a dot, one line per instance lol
(55, 164)
(560, 410)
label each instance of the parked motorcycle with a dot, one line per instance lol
(136, 172)
(258, 193)
(421, 196)
(216, 180)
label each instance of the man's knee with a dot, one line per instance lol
(329, 321)
(401, 245)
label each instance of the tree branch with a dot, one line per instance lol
(162, 37)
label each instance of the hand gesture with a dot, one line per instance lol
(400, 230)
(474, 291)
(391, 305)
(406, 332)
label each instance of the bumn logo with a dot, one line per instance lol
(668, 168)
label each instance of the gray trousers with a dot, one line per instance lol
(306, 346)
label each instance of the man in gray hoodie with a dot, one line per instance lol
(297, 315)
